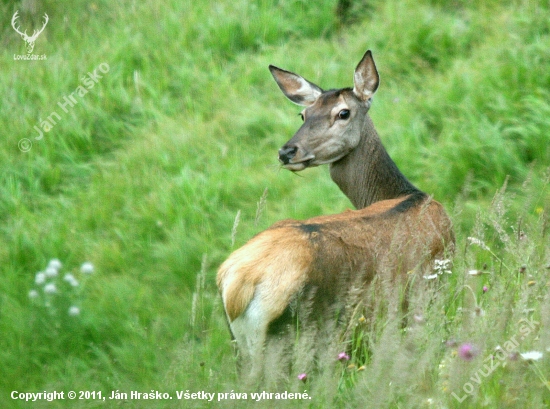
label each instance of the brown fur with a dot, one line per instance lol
(274, 257)
(292, 253)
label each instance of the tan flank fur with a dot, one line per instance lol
(396, 229)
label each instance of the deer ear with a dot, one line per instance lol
(366, 78)
(297, 89)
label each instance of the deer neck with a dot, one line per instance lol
(367, 174)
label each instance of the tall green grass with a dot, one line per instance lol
(145, 175)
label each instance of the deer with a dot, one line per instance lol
(28, 40)
(395, 229)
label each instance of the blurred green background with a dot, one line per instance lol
(145, 174)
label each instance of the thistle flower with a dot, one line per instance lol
(87, 268)
(467, 351)
(485, 288)
(302, 377)
(342, 356)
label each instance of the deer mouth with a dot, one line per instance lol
(297, 166)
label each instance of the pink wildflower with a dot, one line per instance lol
(467, 351)
(342, 356)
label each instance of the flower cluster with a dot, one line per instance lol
(54, 292)
(440, 267)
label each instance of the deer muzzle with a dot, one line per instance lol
(295, 158)
(287, 153)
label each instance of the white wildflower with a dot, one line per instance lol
(50, 288)
(51, 272)
(478, 242)
(40, 278)
(440, 267)
(87, 268)
(69, 278)
(74, 311)
(33, 294)
(55, 263)
(442, 264)
(475, 272)
(531, 355)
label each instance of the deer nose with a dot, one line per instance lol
(286, 153)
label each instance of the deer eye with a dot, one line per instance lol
(343, 114)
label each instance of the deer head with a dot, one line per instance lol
(338, 131)
(333, 120)
(28, 40)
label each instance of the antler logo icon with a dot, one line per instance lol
(28, 40)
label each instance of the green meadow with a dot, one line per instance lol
(143, 149)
